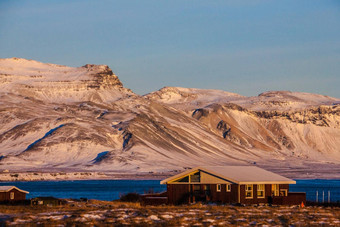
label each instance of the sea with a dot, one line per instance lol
(316, 190)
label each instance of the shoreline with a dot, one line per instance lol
(77, 176)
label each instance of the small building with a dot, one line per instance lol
(46, 201)
(12, 194)
(231, 184)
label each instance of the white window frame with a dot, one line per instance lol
(275, 189)
(249, 188)
(228, 187)
(261, 188)
(11, 195)
(218, 187)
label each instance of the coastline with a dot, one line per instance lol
(74, 176)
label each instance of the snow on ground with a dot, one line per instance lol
(100, 213)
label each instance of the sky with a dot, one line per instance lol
(246, 47)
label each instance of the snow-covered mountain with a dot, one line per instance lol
(60, 84)
(62, 118)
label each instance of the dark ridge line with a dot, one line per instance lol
(46, 135)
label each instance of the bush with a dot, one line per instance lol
(130, 197)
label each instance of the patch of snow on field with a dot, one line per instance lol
(154, 218)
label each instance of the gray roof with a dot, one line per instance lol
(8, 188)
(239, 175)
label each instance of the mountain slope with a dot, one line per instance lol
(61, 84)
(62, 118)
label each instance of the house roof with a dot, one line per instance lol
(238, 175)
(8, 188)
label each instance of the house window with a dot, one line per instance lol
(275, 189)
(11, 195)
(197, 187)
(206, 188)
(218, 187)
(260, 191)
(228, 187)
(283, 192)
(183, 179)
(195, 177)
(249, 191)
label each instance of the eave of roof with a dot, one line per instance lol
(9, 188)
(213, 170)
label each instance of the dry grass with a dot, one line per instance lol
(101, 213)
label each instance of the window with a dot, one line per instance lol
(275, 189)
(228, 188)
(197, 187)
(260, 191)
(218, 187)
(249, 191)
(283, 192)
(195, 177)
(11, 195)
(184, 179)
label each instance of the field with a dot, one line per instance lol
(101, 213)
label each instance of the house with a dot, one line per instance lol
(12, 194)
(46, 201)
(231, 184)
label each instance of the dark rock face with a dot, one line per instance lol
(224, 127)
(105, 78)
(198, 113)
(126, 138)
(318, 116)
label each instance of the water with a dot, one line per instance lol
(112, 189)
(92, 189)
(311, 186)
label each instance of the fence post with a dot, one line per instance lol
(323, 196)
(329, 196)
(317, 196)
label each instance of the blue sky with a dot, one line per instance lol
(246, 47)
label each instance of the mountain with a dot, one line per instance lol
(59, 118)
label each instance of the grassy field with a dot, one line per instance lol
(101, 213)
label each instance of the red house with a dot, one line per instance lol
(12, 193)
(231, 184)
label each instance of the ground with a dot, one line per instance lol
(101, 213)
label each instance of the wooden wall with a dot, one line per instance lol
(178, 193)
(5, 196)
(184, 193)
(255, 199)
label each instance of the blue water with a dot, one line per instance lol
(112, 189)
(322, 186)
(91, 189)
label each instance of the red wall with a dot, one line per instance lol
(183, 193)
(5, 196)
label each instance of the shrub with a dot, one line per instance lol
(130, 197)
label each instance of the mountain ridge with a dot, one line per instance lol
(85, 119)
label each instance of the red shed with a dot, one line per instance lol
(231, 184)
(12, 193)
